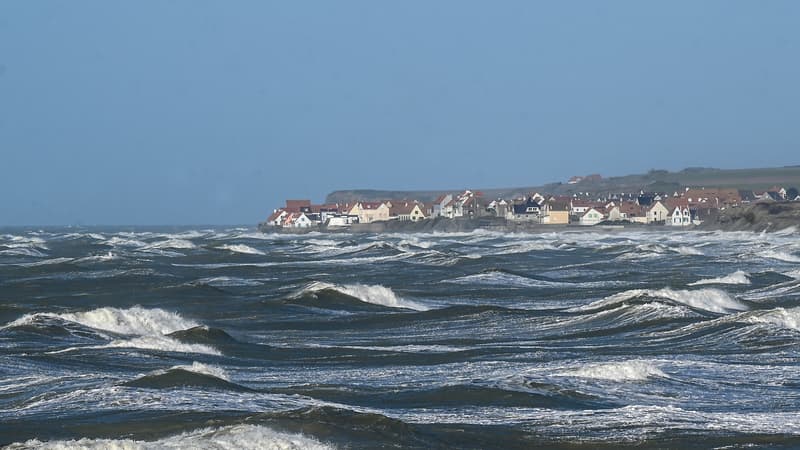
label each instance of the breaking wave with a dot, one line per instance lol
(229, 437)
(738, 277)
(616, 371)
(782, 317)
(241, 248)
(142, 328)
(373, 294)
(711, 300)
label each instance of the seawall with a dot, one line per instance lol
(757, 217)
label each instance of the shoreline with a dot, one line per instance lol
(466, 225)
(758, 217)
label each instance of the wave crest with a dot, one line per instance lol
(235, 436)
(617, 371)
(143, 328)
(373, 294)
(738, 277)
(711, 300)
(241, 248)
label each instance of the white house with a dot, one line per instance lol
(440, 203)
(680, 217)
(591, 217)
(277, 217)
(302, 221)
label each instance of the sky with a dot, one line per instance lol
(201, 112)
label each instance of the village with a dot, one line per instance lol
(685, 208)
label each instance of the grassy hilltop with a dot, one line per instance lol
(654, 180)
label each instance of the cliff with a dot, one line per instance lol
(758, 217)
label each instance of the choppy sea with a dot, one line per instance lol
(230, 338)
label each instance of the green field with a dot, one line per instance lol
(654, 180)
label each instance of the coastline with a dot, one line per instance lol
(459, 225)
(758, 217)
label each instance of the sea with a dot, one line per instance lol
(231, 338)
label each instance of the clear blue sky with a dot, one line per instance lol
(190, 112)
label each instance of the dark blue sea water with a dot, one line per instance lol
(229, 338)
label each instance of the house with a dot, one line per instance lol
(645, 199)
(657, 213)
(293, 206)
(301, 220)
(591, 217)
(368, 212)
(681, 216)
(555, 212)
(747, 196)
(766, 197)
(499, 208)
(439, 205)
(578, 207)
(778, 190)
(527, 210)
(632, 212)
(277, 217)
(406, 211)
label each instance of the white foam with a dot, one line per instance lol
(97, 258)
(171, 243)
(229, 437)
(375, 294)
(379, 295)
(227, 281)
(158, 343)
(241, 248)
(135, 320)
(738, 277)
(794, 274)
(45, 262)
(196, 367)
(23, 251)
(117, 241)
(146, 328)
(616, 371)
(712, 300)
(779, 255)
(782, 317)
(689, 251)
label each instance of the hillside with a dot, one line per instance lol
(654, 180)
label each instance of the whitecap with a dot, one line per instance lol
(375, 294)
(199, 368)
(779, 255)
(241, 248)
(712, 300)
(616, 371)
(687, 251)
(781, 317)
(227, 437)
(135, 327)
(179, 244)
(738, 277)
(226, 282)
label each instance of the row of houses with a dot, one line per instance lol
(685, 208)
(304, 214)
